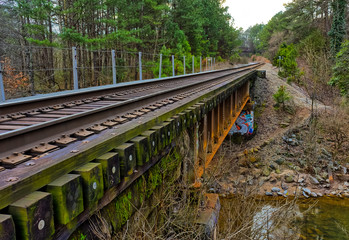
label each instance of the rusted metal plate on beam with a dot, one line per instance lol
(14, 159)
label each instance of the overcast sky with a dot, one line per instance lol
(247, 13)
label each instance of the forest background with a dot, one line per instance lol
(307, 42)
(36, 37)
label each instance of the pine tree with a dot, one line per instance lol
(338, 29)
(340, 76)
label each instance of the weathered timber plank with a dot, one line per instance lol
(168, 130)
(142, 149)
(7, 228)
(160, 132)
(128, 160)
(67, 197)
(152, 141)
(92, 182)
(177, 125)
(33, 216)
(111, 169)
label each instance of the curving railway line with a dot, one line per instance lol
(36, 126)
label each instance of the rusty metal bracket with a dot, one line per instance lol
(79, 102)
(17, 116)
(120, 120)
(151, 107)
(97, 128)
(57, 107)
(88, 100)
(4, 119)
(83, 133)
(43, 148)
(32, 113)
(109, 123)
(69, 105)
(159, 105)
(64, 140)
(15, 159)
(145, 110)
(45, 110)
(130, 116)
(138, 113)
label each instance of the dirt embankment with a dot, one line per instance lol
(289, 154)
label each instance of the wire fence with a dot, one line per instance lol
(31, 70)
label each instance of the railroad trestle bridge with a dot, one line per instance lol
(73, 154)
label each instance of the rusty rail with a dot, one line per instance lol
(48, 125)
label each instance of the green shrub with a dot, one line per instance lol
(281, 97)
(287, 62)
(340, 77)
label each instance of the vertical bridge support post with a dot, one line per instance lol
(75, 69)
(114, 65)
(221, 106)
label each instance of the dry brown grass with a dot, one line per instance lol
(176, 206)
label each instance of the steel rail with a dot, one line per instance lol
(35, 116)
(25, 138)
(40, 101)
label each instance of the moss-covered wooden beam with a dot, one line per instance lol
(111, 169)
(7, 228)
(33, 216)
(67, 197)
(92, 183)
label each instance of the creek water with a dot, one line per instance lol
(328, 219)
(325, 218)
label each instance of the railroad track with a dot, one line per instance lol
(35, 127)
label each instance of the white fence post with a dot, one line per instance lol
(160, 67)
(193, 63)
(140, 65)
(114, 65)
(75, 69)
(2, 90)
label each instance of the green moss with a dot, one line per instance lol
(83, 237)
(123, 208)
(140, 189)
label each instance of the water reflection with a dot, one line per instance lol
(325, 218)
(328, 219)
